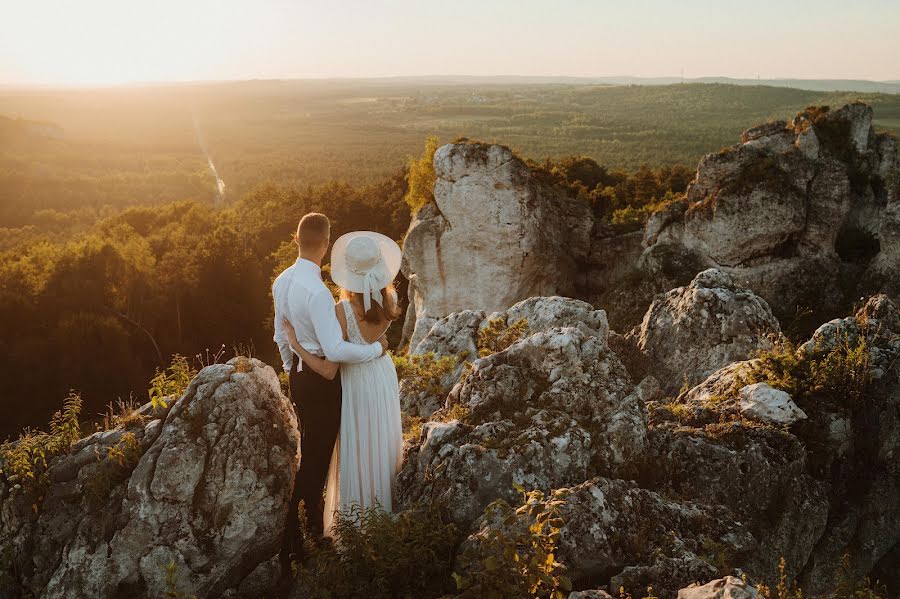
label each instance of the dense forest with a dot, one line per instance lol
(116, 253)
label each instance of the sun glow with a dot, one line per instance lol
(123, 41)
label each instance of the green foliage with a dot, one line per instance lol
(847, 586)
(25, 461)
(381, 555)
(837, 378)
(122, 414)
(171, 382)
(516, 557)
(423, 373)
(421, 177)
(497, 335)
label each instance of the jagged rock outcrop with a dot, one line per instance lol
(796, 212)
(209, 490)
(692, 331)
(809, 495)
(551, 410)
(609, 522)
(493, 236)
(456, 336)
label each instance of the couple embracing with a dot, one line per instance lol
(342, 381)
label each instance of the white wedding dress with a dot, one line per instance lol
(369, 447)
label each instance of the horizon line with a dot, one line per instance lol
(585, 78)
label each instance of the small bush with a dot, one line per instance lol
(122, 414)
(839, 377)
(517, 558)
(497, 336)
(421, 177)
(381, 555)
(847, 586)
(170, 382)
(26, 460)
(424, 372)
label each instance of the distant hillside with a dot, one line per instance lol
(142, 144)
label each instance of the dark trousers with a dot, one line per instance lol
(318, 404)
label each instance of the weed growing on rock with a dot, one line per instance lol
(497, 336)
(122, 414)
(423, 373)
(171, 381)
(26, 460)
(383, 555)
(173, 590)
(517, 556)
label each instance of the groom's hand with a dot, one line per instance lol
(384, 344)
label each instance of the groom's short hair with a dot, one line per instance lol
(313, 231)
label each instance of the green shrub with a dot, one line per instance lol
(171, 382)
(837, 378)
(497, 336)
(424, 372)
(847, 586)
(421, 177)
(518, 558)
(380, 555)
(26, 460)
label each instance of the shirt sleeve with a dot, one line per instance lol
(281, 338)
(330, 336)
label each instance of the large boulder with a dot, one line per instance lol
(809, 488)
(205, 501)
(618, 535)
(550, 410)
(693, 331)
(494, 236)
(457, 337)
(796, 212)
(722, 588)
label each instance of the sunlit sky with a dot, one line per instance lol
(123, 41)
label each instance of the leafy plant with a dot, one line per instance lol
(423, 373)
(839, 376)
(497, 335)
(517, 558)
(421, 177)
(122, 414)
(171, 381)
(380, 555)
(26, 460)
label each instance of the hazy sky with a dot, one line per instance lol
(115, 41)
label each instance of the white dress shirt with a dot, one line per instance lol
(301, 296)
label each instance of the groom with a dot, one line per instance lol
(303, 299)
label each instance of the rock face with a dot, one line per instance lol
(692, 331)
(764, 404)
(494, 236)
(208, 493)
(723, 588)
(550, 410)
(789, 208)
(457, 336)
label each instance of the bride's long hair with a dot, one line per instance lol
(377, 313)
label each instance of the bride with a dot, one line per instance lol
(368, 450)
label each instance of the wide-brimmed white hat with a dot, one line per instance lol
(365, 262)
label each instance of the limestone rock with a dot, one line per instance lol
(208, 494)
(547, 412)
(794, 212)
(762, 403)
(494, 236)
(693, 331)
(456, 336)
(722, 588)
